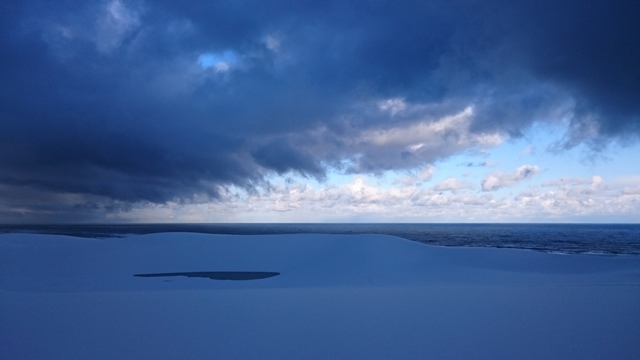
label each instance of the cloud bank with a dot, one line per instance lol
(113, 104)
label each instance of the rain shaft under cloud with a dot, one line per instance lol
(112, 103)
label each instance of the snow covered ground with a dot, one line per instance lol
(336, 297)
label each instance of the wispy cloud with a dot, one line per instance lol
(497, 179)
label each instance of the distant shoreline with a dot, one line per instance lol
(593, 239)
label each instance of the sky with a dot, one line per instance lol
(319, 111)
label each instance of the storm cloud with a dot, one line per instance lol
(112, 103)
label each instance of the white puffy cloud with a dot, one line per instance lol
(499, 179)
(584, 197)
(407, 136)
(419, 139)
(421, 136)
(452, 184)
(392, 106)
(416, 178)
(366, 199)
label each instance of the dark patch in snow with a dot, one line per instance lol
(218, 275)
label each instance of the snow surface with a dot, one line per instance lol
(337, 297)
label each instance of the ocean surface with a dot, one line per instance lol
(597, 239)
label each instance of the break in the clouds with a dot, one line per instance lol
(115, 105)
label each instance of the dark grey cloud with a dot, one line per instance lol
(280, 157)
(590, 49)
(106, 103)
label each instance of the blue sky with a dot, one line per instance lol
(251, 111)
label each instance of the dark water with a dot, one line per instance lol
(601, 239)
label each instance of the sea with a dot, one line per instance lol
(594, 239)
